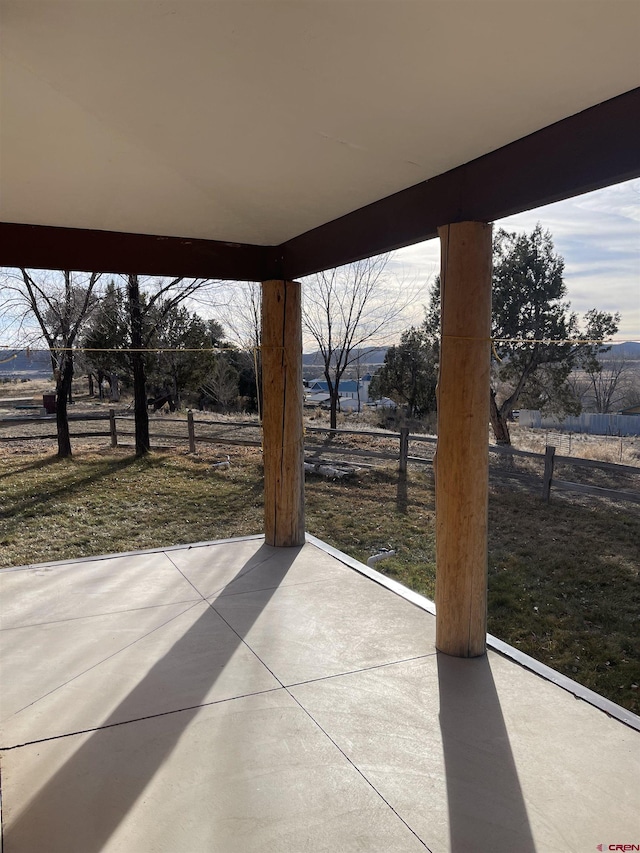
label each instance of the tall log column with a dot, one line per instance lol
(283, 445)
(462, 457)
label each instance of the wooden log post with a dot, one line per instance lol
(404, 449)
(113, 430)
(283, 445)
(549, 462)
(191, 429)
(462, 456)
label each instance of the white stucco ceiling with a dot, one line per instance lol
(257, 121)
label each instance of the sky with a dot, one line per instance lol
(598, 235)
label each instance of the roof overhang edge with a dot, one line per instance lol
(593, 149)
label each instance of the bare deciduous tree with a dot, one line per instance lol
(348, 309)
(60, 302)
(242, 314)
(242, 319)
(607, 387)
(222, 381)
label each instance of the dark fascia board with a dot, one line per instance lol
(595, 148)
(46, 247)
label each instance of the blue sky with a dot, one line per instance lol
(598, 234)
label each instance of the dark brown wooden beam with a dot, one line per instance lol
(44, 247)
(587, 151)
(590, 150)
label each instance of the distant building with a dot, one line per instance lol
(383, 403)
(353, 394)
(348, 388)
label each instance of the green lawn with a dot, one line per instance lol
(563, 577)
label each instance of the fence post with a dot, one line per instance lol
(192, 432)
(404, 449)
(112, 428)
(549, 458)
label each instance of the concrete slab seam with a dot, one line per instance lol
(267, 588)
(362, 669)
(140, 719)
(346, 757)
(109, 657)
(100, 615)
(217, 592)
(246, 644)
(358, 770)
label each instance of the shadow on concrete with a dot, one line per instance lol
(84, 802)
(487, 810)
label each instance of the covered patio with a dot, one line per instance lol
(237, 697)
(271, 695)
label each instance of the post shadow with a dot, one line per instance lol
(401, 493)
(80, 807)
(487, 811)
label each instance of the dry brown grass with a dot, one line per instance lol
(623, 450)
(33, 388)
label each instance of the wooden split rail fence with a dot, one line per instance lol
(179, 430)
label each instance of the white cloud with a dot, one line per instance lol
(598, 234)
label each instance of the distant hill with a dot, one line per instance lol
(37, 364)
(629, 350)
(371, 357)
(19, 364)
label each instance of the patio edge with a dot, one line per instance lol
(548, 673)
(97, 557)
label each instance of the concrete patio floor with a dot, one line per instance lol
(235, 697)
